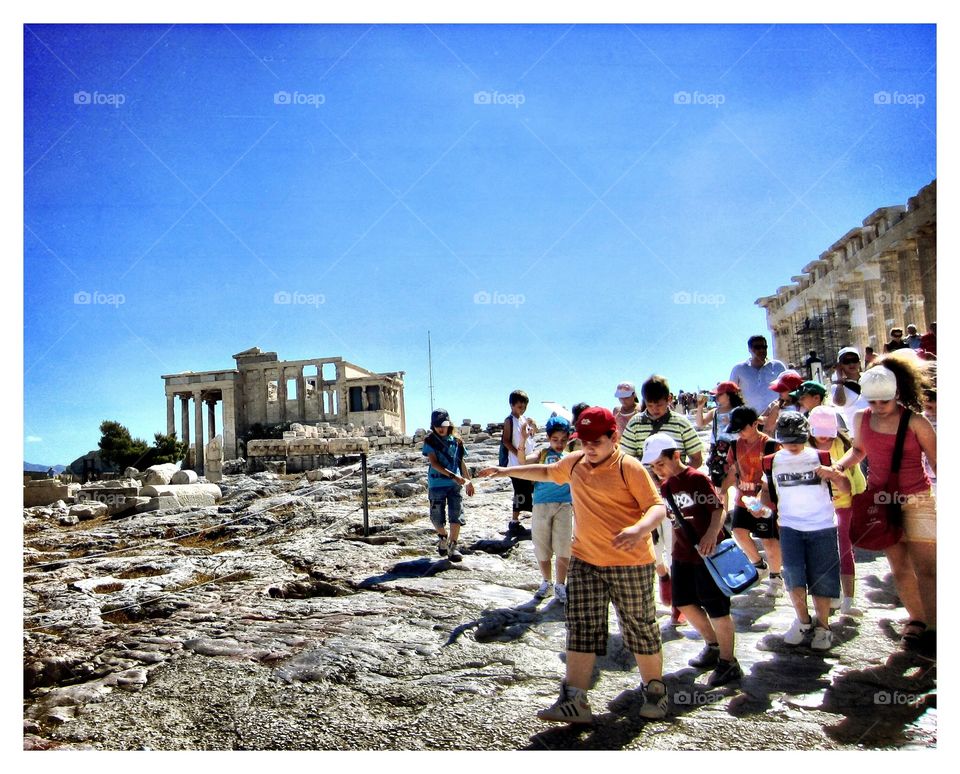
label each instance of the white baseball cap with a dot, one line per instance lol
(823, 422)
(878, 383)
(656, 445)
(848, 351)
(625, 390)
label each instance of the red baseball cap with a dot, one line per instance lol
(788, 381)
(726, 388)
(594, 422)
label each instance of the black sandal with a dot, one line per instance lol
(912, 634)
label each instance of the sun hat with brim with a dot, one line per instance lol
(792, 427)
(823, 422)
(878, 383)
(655, 446)
(625, 390)
(809, 388)
(741, 417)
(726, 388)
(594, 422)
(788, 381)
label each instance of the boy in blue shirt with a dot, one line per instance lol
(446, 474)
(552, 524)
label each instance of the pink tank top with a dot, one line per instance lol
(879, 448)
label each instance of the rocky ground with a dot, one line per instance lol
(269, 622)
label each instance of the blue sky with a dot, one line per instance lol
(576, 177)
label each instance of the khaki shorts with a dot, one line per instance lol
(920, 518)
(552, 530)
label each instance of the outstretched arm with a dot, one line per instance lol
(527, 472)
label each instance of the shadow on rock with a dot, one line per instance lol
(878, 704)
(506, 624)
(418, 568)
(498, 547)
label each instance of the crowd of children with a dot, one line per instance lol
(615, 493)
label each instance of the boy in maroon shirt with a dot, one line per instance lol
(694, 590)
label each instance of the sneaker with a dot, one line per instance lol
(677, 618)
(762, 569)
(544, 591)
(822, 639)
(442, 545)
(847, 608)
(835, 604)
(571, 707)
(774, 584)
(453, 553)
(655, 700)
(560, 593)
(797, 632)
(725, 672)
(708, 657)
(666, 590)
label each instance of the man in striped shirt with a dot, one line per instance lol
(658, 418)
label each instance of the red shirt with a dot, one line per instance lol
(750, 460)
(696, 498)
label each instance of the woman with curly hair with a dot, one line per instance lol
(895, 385)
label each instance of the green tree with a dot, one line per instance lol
(119, 448)
(166, 448)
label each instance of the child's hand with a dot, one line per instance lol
(470, 489)
(702, 401)
(828, 473)
(708, 544)
(630, 538)
(491, 472)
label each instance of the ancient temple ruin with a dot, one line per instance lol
(876, 276)
(265, 390)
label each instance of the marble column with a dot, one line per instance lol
(198, 431)
(185, 419)
(927, 252)
(908, 264)
(211, 418)
(229, 424)
(171, 423)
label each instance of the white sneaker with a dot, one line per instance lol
(774, 585)
(835, 604)
(797, 632)
(847, 608)
(822, 639)
(655, 701)
(544, 591)
(442, 545)
(571, 707)
(560, 592)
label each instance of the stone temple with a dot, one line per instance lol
(265, 390)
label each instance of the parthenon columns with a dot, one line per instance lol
(198, 431)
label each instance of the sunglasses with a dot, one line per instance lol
(850, 361)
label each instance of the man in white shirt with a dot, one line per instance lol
(755, 374)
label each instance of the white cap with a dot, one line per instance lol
(823, 422)
(625, 390)
(656, 445)
(848, 351)
(878, 383)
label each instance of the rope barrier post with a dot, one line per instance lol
(366, 503)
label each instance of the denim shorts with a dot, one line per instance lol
(811, 560)
(446, 503)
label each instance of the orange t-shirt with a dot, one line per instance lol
(604, 503)
(750, 459)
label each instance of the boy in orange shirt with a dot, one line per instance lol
(617, 506)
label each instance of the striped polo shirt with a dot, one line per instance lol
(677, 427)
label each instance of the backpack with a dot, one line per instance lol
(503, 459)
(441, 449)
(768, 469)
